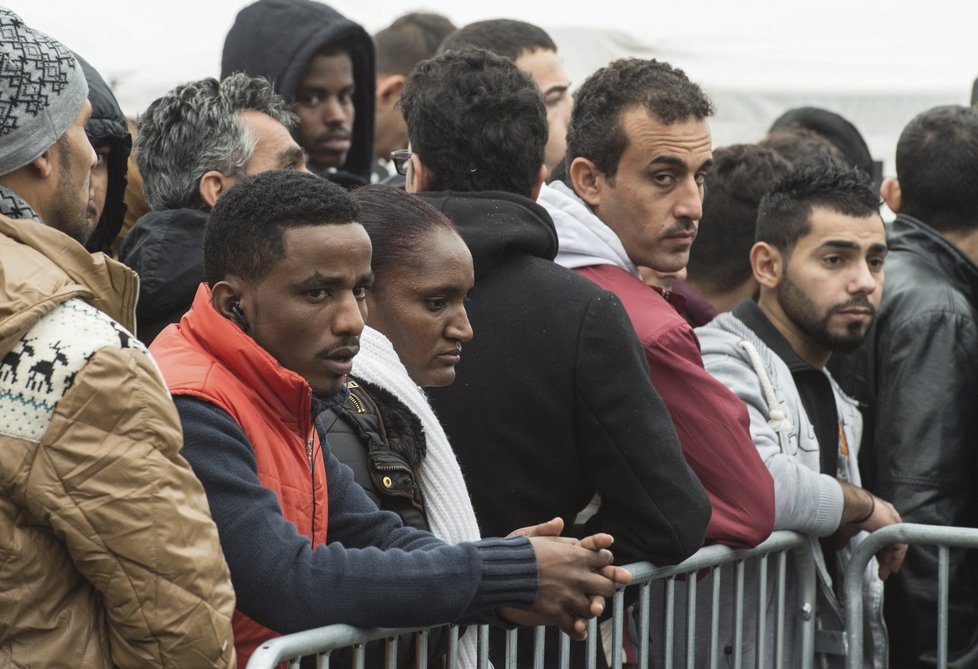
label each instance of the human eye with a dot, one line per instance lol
(833, 260)
(436, 303)
(360, 293)
(875, 263)
(664, 179)
(317, 294)
(308, 98)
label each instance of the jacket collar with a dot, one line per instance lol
(751, 315)
(584, 239)
(497, 226)
(908, 234)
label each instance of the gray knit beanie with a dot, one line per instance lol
(42, 88)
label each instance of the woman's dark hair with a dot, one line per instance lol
(398, 224)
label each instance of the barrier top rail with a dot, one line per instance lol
(333, 637)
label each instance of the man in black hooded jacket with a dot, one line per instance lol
(553, 407)
(323, 65)
(108, 132)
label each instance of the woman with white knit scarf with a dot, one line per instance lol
(416, 327)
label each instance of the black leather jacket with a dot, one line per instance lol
(918, 373)
(379, 438)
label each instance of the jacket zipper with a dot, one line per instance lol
(312, 474)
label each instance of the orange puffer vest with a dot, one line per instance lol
(208, 357)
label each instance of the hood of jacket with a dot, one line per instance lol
(276, 39)
(43, 267)
(166, 250)
(497, 226)
(108, 126)
(584, 239)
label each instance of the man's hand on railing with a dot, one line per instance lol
(863, 511)
(574, 578)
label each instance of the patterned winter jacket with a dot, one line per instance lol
(108, 554)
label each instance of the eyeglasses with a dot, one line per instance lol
(400, 160)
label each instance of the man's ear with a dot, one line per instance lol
(587, 180)
(229, 299)
(212, 185)
(767, 264)
(538, 184)
(389, 89)
(890, 190)
(45, 165)
(419, 178)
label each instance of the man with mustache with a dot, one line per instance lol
(264, 349)
(818, 258)
(194, 143)
(638, 150)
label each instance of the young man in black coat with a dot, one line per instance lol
(553, 408)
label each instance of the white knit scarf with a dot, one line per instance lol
(446, 498)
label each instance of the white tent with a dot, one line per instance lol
(876, 62)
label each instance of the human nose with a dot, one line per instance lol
(690, 203)
(350, 316)
(459, 328)
(333, 111)
(865, 281)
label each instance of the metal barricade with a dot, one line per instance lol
(905, 533)
(322, 641)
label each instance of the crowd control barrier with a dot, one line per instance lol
(701, 570)
(944, 538)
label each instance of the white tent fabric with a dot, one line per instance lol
(876, 62)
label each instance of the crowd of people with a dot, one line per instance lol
(232, 389)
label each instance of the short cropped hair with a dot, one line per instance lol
(784, 215)
(409, 40)
(194, 129)
(596, 131)
(504, 37)
(476, 121)
(937, 168)
(742, 174)
(801, 145)
(243, 236)
(399, 225)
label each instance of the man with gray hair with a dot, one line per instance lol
(109, 553)
(194, 143)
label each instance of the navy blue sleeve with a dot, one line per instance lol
(372, 572)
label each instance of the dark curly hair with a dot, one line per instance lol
(476, 122)
(741, 175)
(784, 215)
(243, 235)
(665, 92)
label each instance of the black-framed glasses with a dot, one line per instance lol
(400, 160)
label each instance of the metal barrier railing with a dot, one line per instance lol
(905, 533)
(323, 641)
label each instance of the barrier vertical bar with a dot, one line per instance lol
(779, 629)
(715, 619)
(617, 628)
(691, 621)
(739, 615)
(761, 640)
(644, 625)
(942, 597)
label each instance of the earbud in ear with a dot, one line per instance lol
(239, 315)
